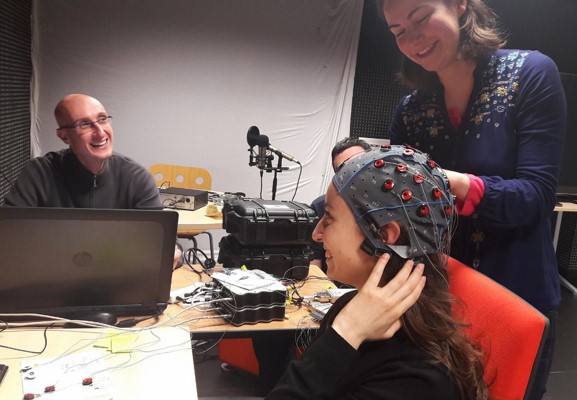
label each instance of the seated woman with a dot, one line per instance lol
(396, 337)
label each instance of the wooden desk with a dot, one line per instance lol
(192, 223)
(158, 356)
(560, 209)
(295, 318)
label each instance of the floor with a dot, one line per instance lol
(562, 384)
(212, 381)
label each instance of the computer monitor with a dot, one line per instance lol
(75, 262)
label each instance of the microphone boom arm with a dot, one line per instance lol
(282, 154)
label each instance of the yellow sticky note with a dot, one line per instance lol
(123, 343)
(104, 342)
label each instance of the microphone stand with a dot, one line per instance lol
(274, 179)
(279, 168)
(251, 157)
(269, 168)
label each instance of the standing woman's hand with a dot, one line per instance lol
(375, 312)
(460, 184)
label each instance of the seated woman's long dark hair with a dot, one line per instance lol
(429, 323)
(403, 186)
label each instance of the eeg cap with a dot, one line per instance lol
(397, 183)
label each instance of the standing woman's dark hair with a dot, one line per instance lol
(480, 36)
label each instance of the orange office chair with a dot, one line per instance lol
(509, 330)
(239, 353)
(168, 175)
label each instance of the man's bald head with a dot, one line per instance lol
(62, 111)
(84, 125)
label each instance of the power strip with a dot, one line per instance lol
(321, 302)
(329, 295)
(317, 309)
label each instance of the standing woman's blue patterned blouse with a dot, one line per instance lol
(511, 137)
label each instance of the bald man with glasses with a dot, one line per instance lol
(87, 174)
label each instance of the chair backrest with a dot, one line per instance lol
(167, 175)
(509, 330)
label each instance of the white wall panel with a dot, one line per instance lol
(185, 79)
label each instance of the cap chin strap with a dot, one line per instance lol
(368, 247)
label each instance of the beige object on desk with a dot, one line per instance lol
(158, 366)
(212, 211)
(168, 175)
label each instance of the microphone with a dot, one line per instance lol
(252, 136)
(282, 154)
(261, 159)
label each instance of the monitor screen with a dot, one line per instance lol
(73, 261)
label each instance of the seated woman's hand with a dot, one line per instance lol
(375, 312)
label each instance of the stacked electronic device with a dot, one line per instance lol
(250, 296)
(271, 235)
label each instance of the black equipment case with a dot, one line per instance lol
(291, 262)
(269, 222)
(271, 235)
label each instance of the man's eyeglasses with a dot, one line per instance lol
(86, 126)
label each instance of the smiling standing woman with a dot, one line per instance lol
(496, 119)
(386, 229)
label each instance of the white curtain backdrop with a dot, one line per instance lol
(185, 79)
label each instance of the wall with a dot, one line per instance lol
(184, 80)
(377, 89)
(15, 71)
(549, 26)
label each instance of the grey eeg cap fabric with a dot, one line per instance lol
(397, 183)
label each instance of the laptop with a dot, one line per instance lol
(76, 261)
